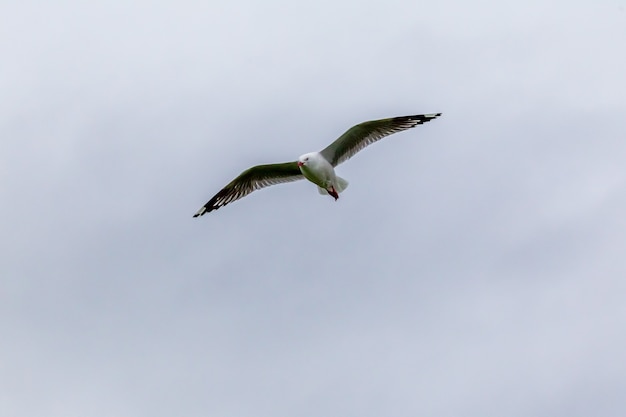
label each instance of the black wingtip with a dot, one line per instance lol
(417, 119)
(201, 212)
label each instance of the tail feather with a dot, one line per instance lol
(341, 185)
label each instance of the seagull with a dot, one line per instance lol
(317, 167)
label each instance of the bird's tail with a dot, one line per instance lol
(340, 185)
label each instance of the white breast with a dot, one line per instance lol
(318, 170)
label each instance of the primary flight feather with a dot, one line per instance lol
(317, 167)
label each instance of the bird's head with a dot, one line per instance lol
(304, 159)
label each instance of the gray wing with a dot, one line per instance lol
(250, 180)
(361, 135)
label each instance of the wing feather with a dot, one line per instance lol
(364, 134)
(250, 180)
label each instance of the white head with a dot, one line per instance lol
(304, 159)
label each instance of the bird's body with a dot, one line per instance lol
(317, 167)
(319, 171)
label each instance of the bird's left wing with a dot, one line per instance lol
(250, 180)
(363, 134)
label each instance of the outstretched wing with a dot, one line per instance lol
(363, 134)
(250, 180)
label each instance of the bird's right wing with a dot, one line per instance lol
(250, 180)
(363, 134)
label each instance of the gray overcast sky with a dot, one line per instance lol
(474, 267)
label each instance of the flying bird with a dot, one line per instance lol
(317, 167)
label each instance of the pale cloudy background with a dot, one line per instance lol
(475, 266)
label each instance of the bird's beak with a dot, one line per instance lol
(300, 163)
